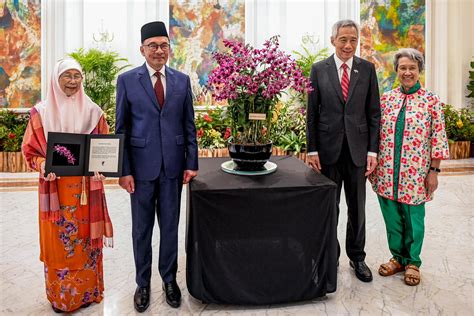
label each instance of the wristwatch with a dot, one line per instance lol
(435, 169)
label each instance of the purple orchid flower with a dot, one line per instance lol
(63, 151)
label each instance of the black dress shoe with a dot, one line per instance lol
(173, 294)
(141, 298)
(361, 270)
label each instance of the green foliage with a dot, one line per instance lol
(458, 124)
(245, 130)
(287, 121)
(470, 86)
(293, 142)
(12, 129)
(289, 129)
(213, 128)
(101, 69)
(310, 53)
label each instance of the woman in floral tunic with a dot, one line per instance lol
(412, 144)
(73, 215)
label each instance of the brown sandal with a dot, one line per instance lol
(390, 268)
(412, 275)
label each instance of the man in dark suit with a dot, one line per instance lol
(343, 120)
(155, 112)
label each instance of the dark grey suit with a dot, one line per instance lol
(342, 133)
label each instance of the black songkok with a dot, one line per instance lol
(153, 29)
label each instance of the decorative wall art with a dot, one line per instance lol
(197, 29)
(20, 53)
(387, 26)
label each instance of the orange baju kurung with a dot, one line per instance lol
(73, 270)
(72, 258)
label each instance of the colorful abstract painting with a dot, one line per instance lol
(20, 53)
(387, 26)
(196, 31)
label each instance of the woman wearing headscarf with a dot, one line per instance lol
(73, 217)
(412, 144)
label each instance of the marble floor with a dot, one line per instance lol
(447, 271)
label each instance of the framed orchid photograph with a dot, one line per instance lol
(71, 154)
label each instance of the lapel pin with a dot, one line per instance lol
(356, 71)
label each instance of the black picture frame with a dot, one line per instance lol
(72, 157)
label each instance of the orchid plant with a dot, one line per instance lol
(252, 81)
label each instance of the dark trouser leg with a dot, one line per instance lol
(143, 218)
(354, 189)
(169, 206)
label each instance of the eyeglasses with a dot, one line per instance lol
(69, 78)
(154, 47)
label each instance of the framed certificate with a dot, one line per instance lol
(83, 154)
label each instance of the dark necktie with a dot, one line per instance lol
(159, 91)
(345, 81)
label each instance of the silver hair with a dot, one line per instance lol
(343, 23)
(412, 54)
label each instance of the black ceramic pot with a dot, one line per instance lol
(250, 157)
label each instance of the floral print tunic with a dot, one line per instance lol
(424, 138)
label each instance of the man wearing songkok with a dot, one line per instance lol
(155, 113)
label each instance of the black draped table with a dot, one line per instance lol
(261, 239)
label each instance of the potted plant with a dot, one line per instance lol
(101, 69)
(12, 128)
(289, 127)
(252, 81)
(460, 131)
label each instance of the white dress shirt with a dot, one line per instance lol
(340, 70)
(153, 78)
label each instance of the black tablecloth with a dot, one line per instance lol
(261, 239)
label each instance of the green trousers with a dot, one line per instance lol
(405, 226)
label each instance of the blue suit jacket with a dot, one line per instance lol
(155, 138)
